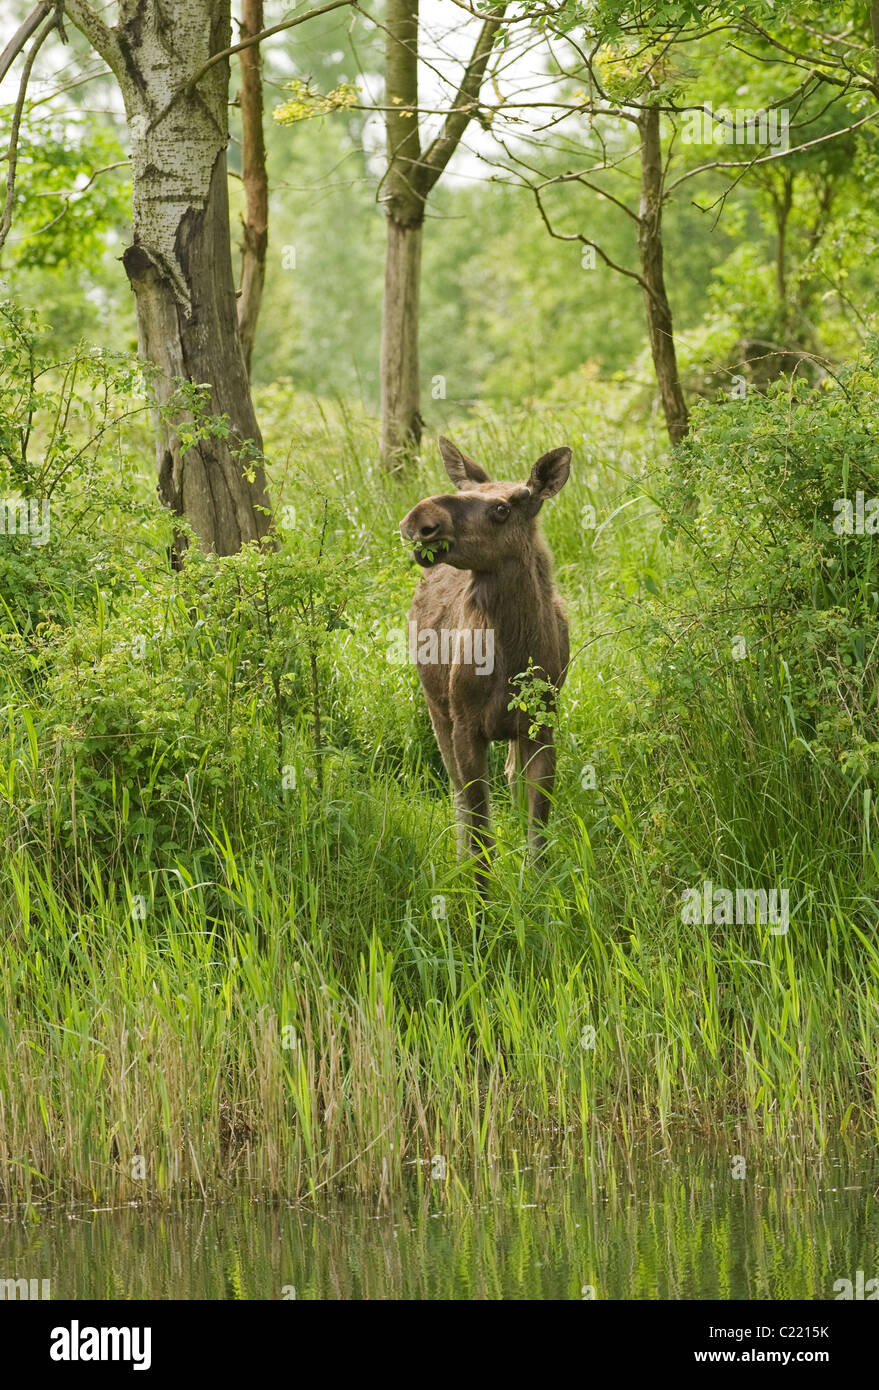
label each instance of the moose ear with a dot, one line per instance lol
(550, 473)
(460, 468)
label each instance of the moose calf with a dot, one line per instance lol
(489, 585)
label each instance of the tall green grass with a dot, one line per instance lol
(278, 989)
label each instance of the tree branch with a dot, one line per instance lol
(747, 164)
(258, 38)
(21, 36)
(67, 197)
(463, 107)
(101, 37)
(12, 149)
(584, 241)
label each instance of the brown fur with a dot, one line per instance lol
(497, 576)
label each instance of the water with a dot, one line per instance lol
(658, 1230)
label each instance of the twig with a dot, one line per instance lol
(258, 38)
(21, 36)
(12, 149)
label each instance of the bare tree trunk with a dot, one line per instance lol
(657, 307)
(180, 260)
(408, 183)
(401, 417)
(782, 204)
(256, 185)
(404, 201)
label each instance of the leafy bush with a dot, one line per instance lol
(761, 631)
(75, 450)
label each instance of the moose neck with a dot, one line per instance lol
(516, 597)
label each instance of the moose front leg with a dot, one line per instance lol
(538, 773)
(442, 728)
(471, 756)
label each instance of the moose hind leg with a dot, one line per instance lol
(538, 772)
(471, 756)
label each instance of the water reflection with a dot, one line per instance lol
(660, 1230)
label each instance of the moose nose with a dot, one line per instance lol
(424, 523)
(417, 524)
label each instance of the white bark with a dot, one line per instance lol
(175, 139)
(180, 259)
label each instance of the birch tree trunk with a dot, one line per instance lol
(656, 304)
(180, 260)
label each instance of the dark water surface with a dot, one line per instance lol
(659, 1230)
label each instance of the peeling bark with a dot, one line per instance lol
(180, 260)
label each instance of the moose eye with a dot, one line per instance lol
(501, 511)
